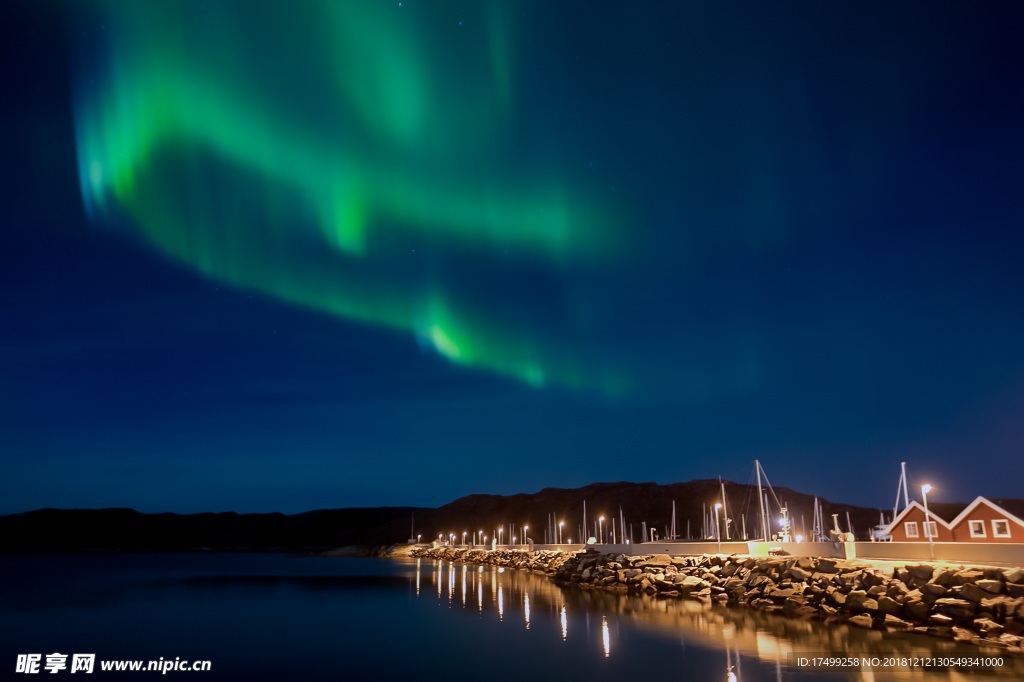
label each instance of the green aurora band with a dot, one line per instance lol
(305, 152)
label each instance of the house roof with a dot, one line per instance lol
(1014, 509)
(939, 515)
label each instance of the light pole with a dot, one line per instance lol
(525, 528)
(600, 530)
(418, 536)
(500, 531)
(480, 537)
(560, 524)
(718, 533)
(463, 537)
(927, 518)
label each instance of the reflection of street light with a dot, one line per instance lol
(600, 530)
(560, 524)
(924, 493)
(718, 534)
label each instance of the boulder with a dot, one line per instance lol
(799, 574)
(889, 605)
(826, 566)
(959, 608)
(990, 586)
(972, 592)
(920, 571)
(1014, 575)
(944, 577)
(894, 624)
(1015, 589)
(861, 621)
(934, 589)
(966, 576)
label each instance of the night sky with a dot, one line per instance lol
(262, 256)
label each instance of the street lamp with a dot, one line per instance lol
(927, 519)
(600, 530)
(418, 536)
(525, 528)
(463, 537)
(480, 537)
(718, 533)
(500, 531)
(560, 524)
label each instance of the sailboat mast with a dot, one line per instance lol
(760, 502)
(903, 476)
(725, 508)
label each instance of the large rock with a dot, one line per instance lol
(934, 589)
(915, 609)
(1014, 575)
(972, 592)
(1015, 589)
(826, 566)
(799, 574)
(920, 571)
(958, 608)
(862, 621)
(894, 624)
(990, 586)
(967, 576)
(944, 577)
(889, 605)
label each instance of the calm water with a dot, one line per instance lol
(274, 617)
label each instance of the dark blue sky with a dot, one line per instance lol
(817, 218)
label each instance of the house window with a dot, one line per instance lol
(910, 528)
(931, 530)
(977, 529)
(1000, 528)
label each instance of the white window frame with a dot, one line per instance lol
(931, 529)
(977, 527)
(909, 526)
(996, 533)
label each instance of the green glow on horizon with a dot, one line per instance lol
(286, 150)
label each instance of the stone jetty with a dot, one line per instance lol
(980, 605)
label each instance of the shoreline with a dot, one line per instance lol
(983, 606)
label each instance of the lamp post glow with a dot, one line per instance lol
(600, 530)
(718, 533)
(560, 524)
(463, 537)
(927, 519)
(418, 537)
(525, 528)
(500, 531)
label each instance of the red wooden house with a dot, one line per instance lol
(982, 520)
(985, 520)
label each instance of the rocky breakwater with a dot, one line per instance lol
(983, 606)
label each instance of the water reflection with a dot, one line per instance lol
(770, 643)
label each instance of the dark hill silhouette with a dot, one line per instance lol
(61, 530)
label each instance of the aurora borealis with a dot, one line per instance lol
(265, 257)
(351, 131)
